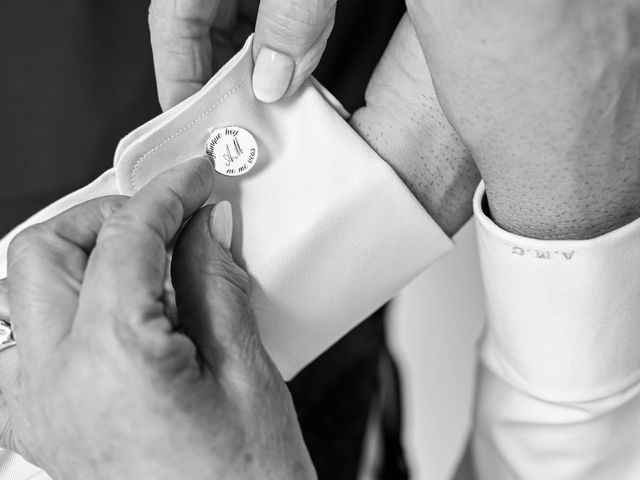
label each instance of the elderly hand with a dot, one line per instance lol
(546, 95)
(101, 385)
(6, 433)
(191, 38)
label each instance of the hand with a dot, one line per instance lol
(192, 38)
(10, 359)
(546, 95)
(105, 388)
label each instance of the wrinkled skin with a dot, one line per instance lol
(546, 95)
(102, 387)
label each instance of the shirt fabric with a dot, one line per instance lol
(559, 371)
(559, 382)
(317, 192)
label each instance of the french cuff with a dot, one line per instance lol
(326, 230)
(563, 315)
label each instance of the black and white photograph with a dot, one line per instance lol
(320, 240)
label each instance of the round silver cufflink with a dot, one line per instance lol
(233, 151)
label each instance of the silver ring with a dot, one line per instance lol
(7, 339)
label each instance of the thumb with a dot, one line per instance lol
(290, 38)
(212, 292)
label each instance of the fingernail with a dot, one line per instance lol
(222, 224)
(271, 75)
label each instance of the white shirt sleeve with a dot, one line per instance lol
(559, 381)
(325, 228)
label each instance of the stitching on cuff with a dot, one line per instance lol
(143, 158)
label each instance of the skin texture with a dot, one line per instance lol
(402, 119)
(102, 387)
(404, 123)
(546, 96)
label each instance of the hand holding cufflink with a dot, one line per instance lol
(101, 385)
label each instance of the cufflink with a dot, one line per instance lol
(233, 151)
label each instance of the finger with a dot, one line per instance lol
(11, 411)
(181, 43)
(127, 269)
(4, 299)
(211, 290)
(46, 265)
(9, 366)
(290, 38)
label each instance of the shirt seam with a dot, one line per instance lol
(176, 134)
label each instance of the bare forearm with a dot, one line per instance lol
(546, 95)
(404, 123)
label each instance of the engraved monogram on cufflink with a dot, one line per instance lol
(233, 151)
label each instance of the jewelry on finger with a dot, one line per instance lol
(7, 339)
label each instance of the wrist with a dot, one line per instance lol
(564, 201)
(434, 166)
(403, 122)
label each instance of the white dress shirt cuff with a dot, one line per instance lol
(326, 230)
(564, 315)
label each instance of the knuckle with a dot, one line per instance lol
(124, 226)
(233, 278)
(135, 320)
(169, 210)
(110, 205)
(171, 213)
(116, 226)
(144, 335)
(227, 277)
(193, 10)
(29, 240)
(225, 274)
(132, 320)
(228, 285)
(118, 231)
(296, 24)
